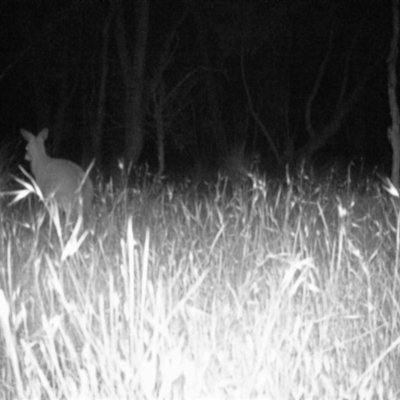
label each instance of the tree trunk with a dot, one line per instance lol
(160, 95)
(212, 93)
(253, 112)
(97, 130)
(133, 74)
(158, 115)
(61, 126)
(393, 131)
(318, 138)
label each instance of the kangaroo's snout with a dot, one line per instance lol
(56, 177)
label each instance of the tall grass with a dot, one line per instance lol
(255, 289)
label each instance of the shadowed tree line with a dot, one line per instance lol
(194, 85)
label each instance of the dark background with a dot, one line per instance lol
(327, 58)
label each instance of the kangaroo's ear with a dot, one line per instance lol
(27, 135)
(44, 133)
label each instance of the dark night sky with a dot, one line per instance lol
(51, 66)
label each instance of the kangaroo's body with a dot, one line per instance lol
(58, 178)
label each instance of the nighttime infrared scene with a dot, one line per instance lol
(199, 199)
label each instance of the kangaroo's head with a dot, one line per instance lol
(35, 149)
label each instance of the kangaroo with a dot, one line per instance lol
(58, 178)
